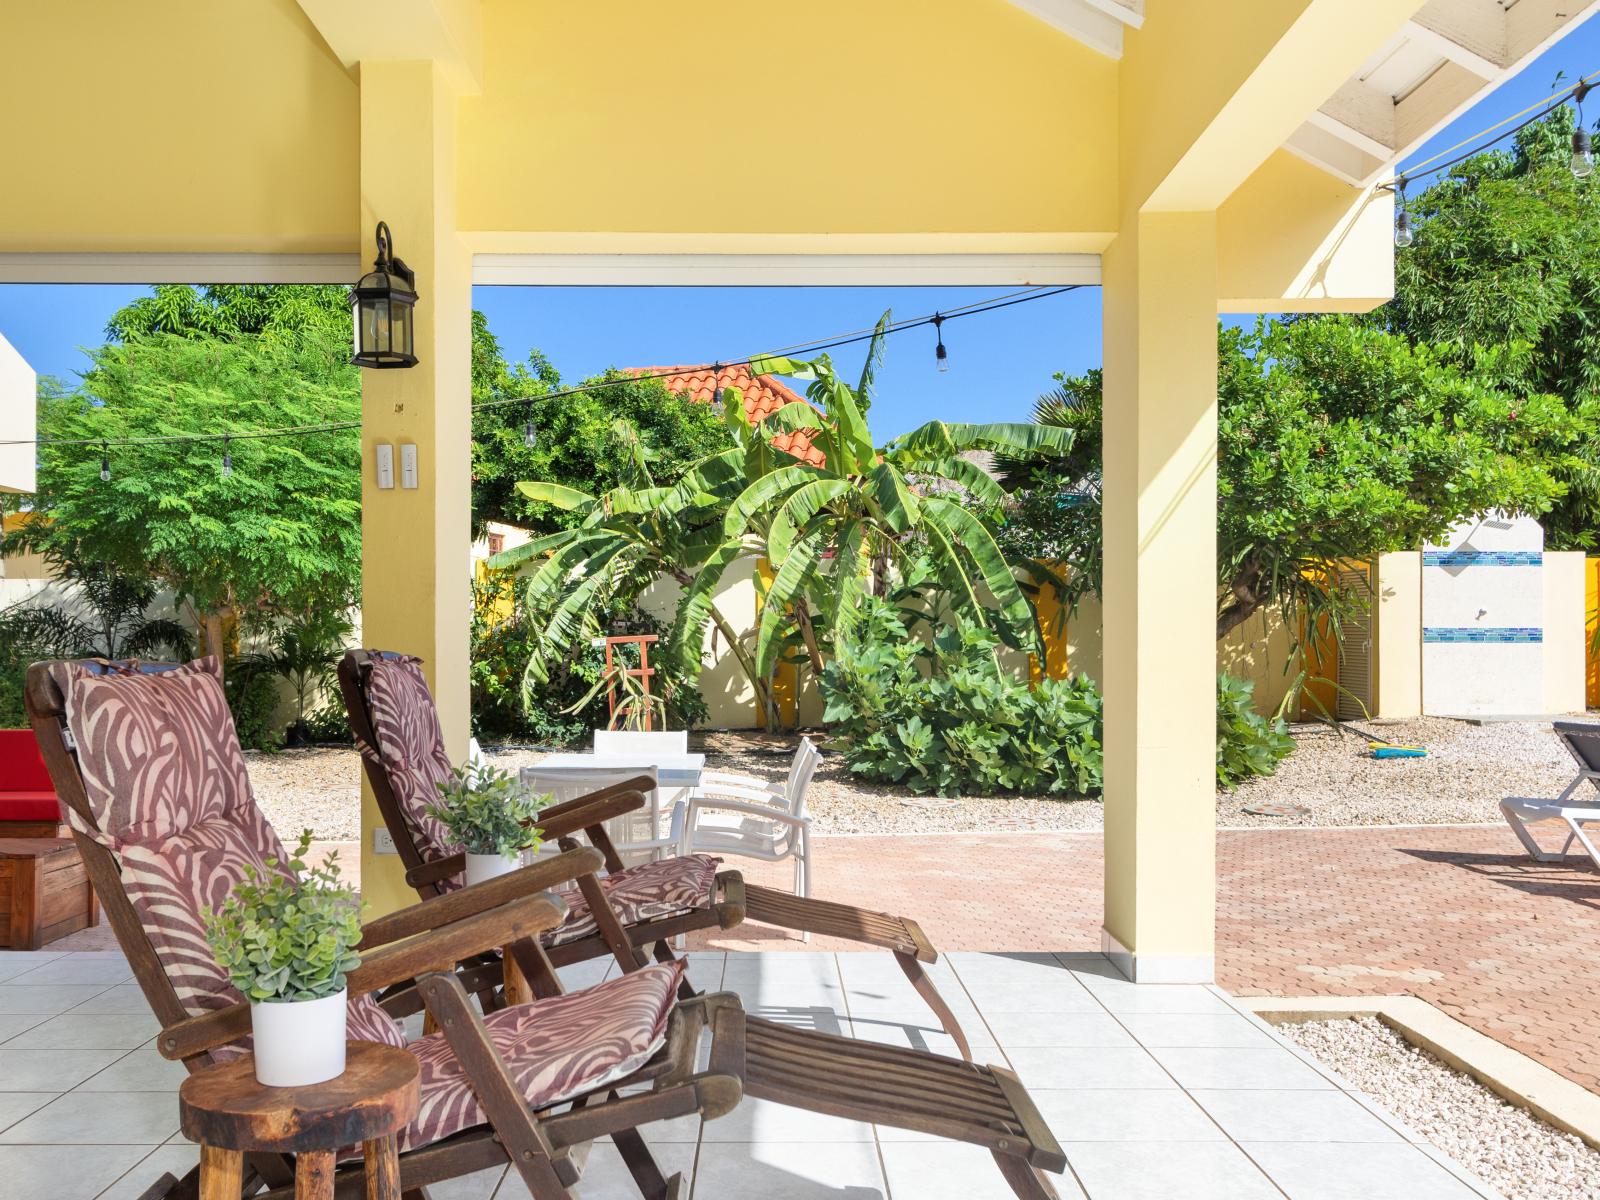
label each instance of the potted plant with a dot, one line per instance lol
(286, 938)
(491, 815)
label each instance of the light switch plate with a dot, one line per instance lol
(408, 464)
(385, 462)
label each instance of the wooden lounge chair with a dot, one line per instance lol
(397, 729)
(146, 761)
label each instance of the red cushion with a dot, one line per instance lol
(29, 806)
(22, 767)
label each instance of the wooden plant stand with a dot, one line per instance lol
(44, 892)
(228, 1112)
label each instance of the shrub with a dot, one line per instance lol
(488, 811)
(500, 654)
(288, 936)
(253, 699)
(945, 718)
(1247, 743)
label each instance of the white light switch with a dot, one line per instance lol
(408, 464)
(385, 463)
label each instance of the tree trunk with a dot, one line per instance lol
(808, 634)
(1248, 597)
(212, 638)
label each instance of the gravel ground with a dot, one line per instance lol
(1468, 770)
(1507, 1147)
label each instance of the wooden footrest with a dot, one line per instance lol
(809, 915)
(892, 1085)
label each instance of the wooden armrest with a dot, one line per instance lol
(436, 870)
(539, 876)
(437, 950)
(593, 813)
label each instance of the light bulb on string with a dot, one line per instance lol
(105, 463)
(941, 356)
(1582, 161)
(227, 458)
(530, 435)
(1403, 236)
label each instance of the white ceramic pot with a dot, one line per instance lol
(298, 1042)
(489, 866)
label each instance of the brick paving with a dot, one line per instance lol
(1455, 915)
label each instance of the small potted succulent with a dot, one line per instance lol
(287, 941)
(491, 815)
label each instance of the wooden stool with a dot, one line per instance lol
(228, 1112)
(44, 892)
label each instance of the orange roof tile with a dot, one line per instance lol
(763, 395)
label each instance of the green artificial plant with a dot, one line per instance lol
(288, 932)
(488, 811)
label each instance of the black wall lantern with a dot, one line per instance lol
(381, 303)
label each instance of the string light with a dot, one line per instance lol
(1582, 151)
(1403, 236)
(940, 355)
(530, 434)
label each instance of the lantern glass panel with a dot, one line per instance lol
(400, 327)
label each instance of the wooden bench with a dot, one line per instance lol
(44, 892)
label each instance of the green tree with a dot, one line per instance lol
(576, 443)
(230, 309)
(279, 535)
(1336, 441)
(1507, 254)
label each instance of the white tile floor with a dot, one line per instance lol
(1153, 1091)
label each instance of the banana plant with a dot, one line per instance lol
(834, 533)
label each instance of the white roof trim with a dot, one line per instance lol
(1098, 24)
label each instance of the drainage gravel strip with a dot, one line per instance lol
(1505, 1146)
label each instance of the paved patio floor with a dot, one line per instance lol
(1457, 915)
(1152, 1091)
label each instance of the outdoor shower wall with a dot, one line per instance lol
(1483, 619)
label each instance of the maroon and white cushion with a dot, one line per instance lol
(643, 893)
(411, 746)
(166, 782)
(555, 1049)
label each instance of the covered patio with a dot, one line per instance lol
(1188, 159)
(1154, 1092)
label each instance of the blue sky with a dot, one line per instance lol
(998, 361)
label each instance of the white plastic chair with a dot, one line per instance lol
(1582, 740)
(637, 835)
(751, 818)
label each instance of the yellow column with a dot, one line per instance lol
(415, 562)
(1160, 429)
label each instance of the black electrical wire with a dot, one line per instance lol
(1005, 300)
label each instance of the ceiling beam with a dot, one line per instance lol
(449, 32)
(1098, 24)
(1444, 43)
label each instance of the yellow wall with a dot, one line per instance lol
(1397, 635)
(1566, 647)
(174, 125)
(894, 117)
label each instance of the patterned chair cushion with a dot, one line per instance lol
(166, 782)
(642, 893)
(555, 1049)
(411, 745)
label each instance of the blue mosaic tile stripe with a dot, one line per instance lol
(1504, 635)
(1482, 558)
